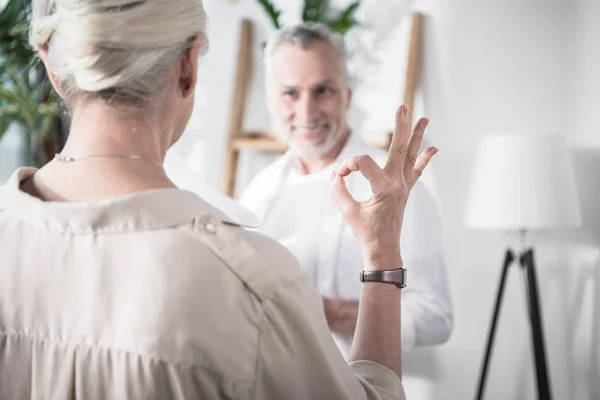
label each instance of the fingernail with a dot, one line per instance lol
(435, 150)
(426, 122)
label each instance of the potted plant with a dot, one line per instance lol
(318, 11)
(26, 95)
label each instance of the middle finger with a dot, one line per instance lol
(414, 142)
(399, 146)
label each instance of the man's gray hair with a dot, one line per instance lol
(304, 35)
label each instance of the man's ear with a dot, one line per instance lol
(43, 52)
(188, 68)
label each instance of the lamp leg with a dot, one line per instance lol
(537, 331)
(508, 259)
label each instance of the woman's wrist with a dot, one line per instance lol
(383, 260)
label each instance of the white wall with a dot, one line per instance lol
(490, 66)
(584, 98)
(504, 66)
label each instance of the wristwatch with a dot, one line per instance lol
(394, 276)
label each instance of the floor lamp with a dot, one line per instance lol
(522, 183)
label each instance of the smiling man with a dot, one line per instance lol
(308, 96)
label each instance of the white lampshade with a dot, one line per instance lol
(522, 182)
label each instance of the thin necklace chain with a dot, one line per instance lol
(69, 159)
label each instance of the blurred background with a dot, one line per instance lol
(487, 67)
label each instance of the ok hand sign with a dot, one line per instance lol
(377, 221)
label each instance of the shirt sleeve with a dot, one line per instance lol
(298, 358)
(427, 316)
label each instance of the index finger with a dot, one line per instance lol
(367, 167)
(399, 146)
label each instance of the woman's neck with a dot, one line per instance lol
(98, 130)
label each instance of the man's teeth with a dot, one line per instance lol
(309, 129)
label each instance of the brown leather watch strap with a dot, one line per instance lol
(394, 276)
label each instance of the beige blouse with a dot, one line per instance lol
(158, 295)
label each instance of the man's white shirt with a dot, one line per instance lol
(300, 212)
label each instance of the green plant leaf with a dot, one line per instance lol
(345, 20)
(10, 97)
(13, 10)
(20, 108)
(26, 96)
(4, 124)
(272, 12)
(14, 32)
(18, 79)
(316, 11)
(10, 114)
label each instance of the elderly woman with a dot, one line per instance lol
(115, 284)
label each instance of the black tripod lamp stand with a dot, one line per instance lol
(526, 262)
(520, 183)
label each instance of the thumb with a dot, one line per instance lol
(341, 194)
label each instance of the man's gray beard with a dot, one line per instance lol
(314, 152)
(310, 153)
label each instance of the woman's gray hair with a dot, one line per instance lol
(304, 35)
(117, 50)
